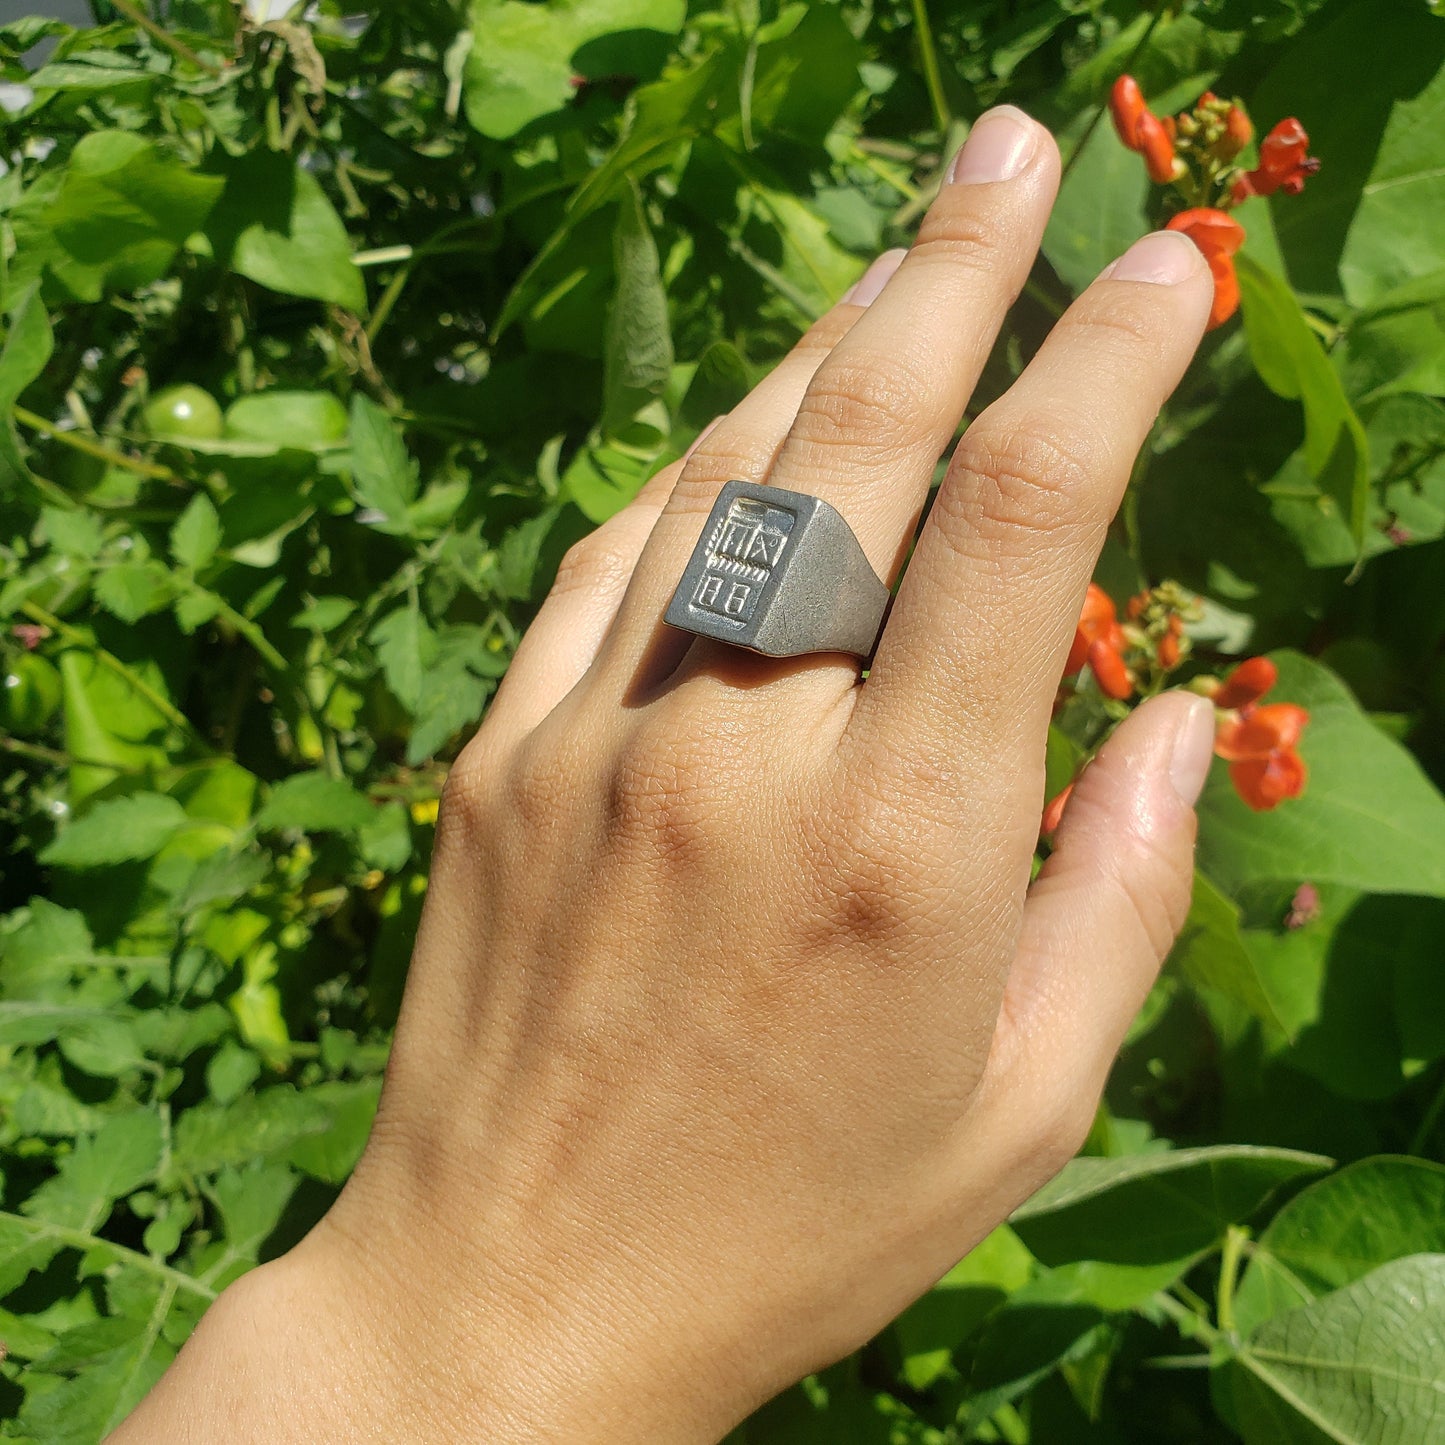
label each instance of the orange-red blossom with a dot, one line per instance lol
(1260, 743)
(1284, 163)
(1196, 152)
(1099, 640)
(1218, 236)
(1143, 131)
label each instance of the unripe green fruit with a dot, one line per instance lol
(29, 695)
(184, 412)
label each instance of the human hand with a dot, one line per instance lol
(733, 1020)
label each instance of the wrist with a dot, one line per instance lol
(354, 1339)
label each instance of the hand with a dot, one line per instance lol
(733, 1020)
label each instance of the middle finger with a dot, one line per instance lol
(883, 405)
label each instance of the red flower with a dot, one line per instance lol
(1107, 665)
(1054, 812)
(1238, 132)
(1284, 163)
(1126, 105)
(1247, 683)
(1157, 147)
(1098, 622)
(1141, 130)
(1260, 746)
(1258, 731)
(1218, 236)
(1169, 649)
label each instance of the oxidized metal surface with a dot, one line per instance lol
(780, 573)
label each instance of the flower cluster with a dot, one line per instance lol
(1259, 741)
(1133, 655)
(1197, 152)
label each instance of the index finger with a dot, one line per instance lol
(967, 668)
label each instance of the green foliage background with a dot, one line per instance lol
(464, 277)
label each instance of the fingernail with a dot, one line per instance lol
(999, 146)
(1193, 748)
(870, 284)
(1164, 258)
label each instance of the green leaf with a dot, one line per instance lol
(331, 1154)
(108, 1366)
(933, 1327)
(117, 1159)
(1339, 1229)
(1147, 1209)
(1358, 987)
(1210, 953)
(638, 354)
(212, 1137)
(132, 590)
(122, 213)
(1100, 210)
(1368, 222)
(315, 803)
(28, 344)
(1359, 1366)
(524, 56)
(383, 474)
(311, 420)
(117, 830)
(274, 225)
(1369, 817)
(406, 647)
(47, 945)
(1293, 365)
(196, 534)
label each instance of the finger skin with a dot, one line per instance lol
(882, 408)
(568, 631)
(872, 422)
(1104, 910)
(981, 625)
(638, 647)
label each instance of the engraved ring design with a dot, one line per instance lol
(779, 573)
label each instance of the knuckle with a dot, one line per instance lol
(535, 788)
(1158, 909)
(660, 799)
(719, 460)
(869, 858)
(1116, 323)
(871, 400)
(960, 238)
(1027, 478)
(595, 561)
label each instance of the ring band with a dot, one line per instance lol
(780, 573)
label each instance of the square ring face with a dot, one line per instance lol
(734, 567)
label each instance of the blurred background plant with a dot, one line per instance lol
(326, 333)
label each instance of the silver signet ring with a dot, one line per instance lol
(780, 573)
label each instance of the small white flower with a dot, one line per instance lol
(15, 97)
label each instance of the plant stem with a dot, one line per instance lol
(54, 756)
(1093, 124)
(1234, 1241)
(1429, 1120)
(162, 705)
(92, 448)
(381, 255)
(932, 76)
(1190, 1325)
(163, 37)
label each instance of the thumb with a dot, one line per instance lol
(1108, 903)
